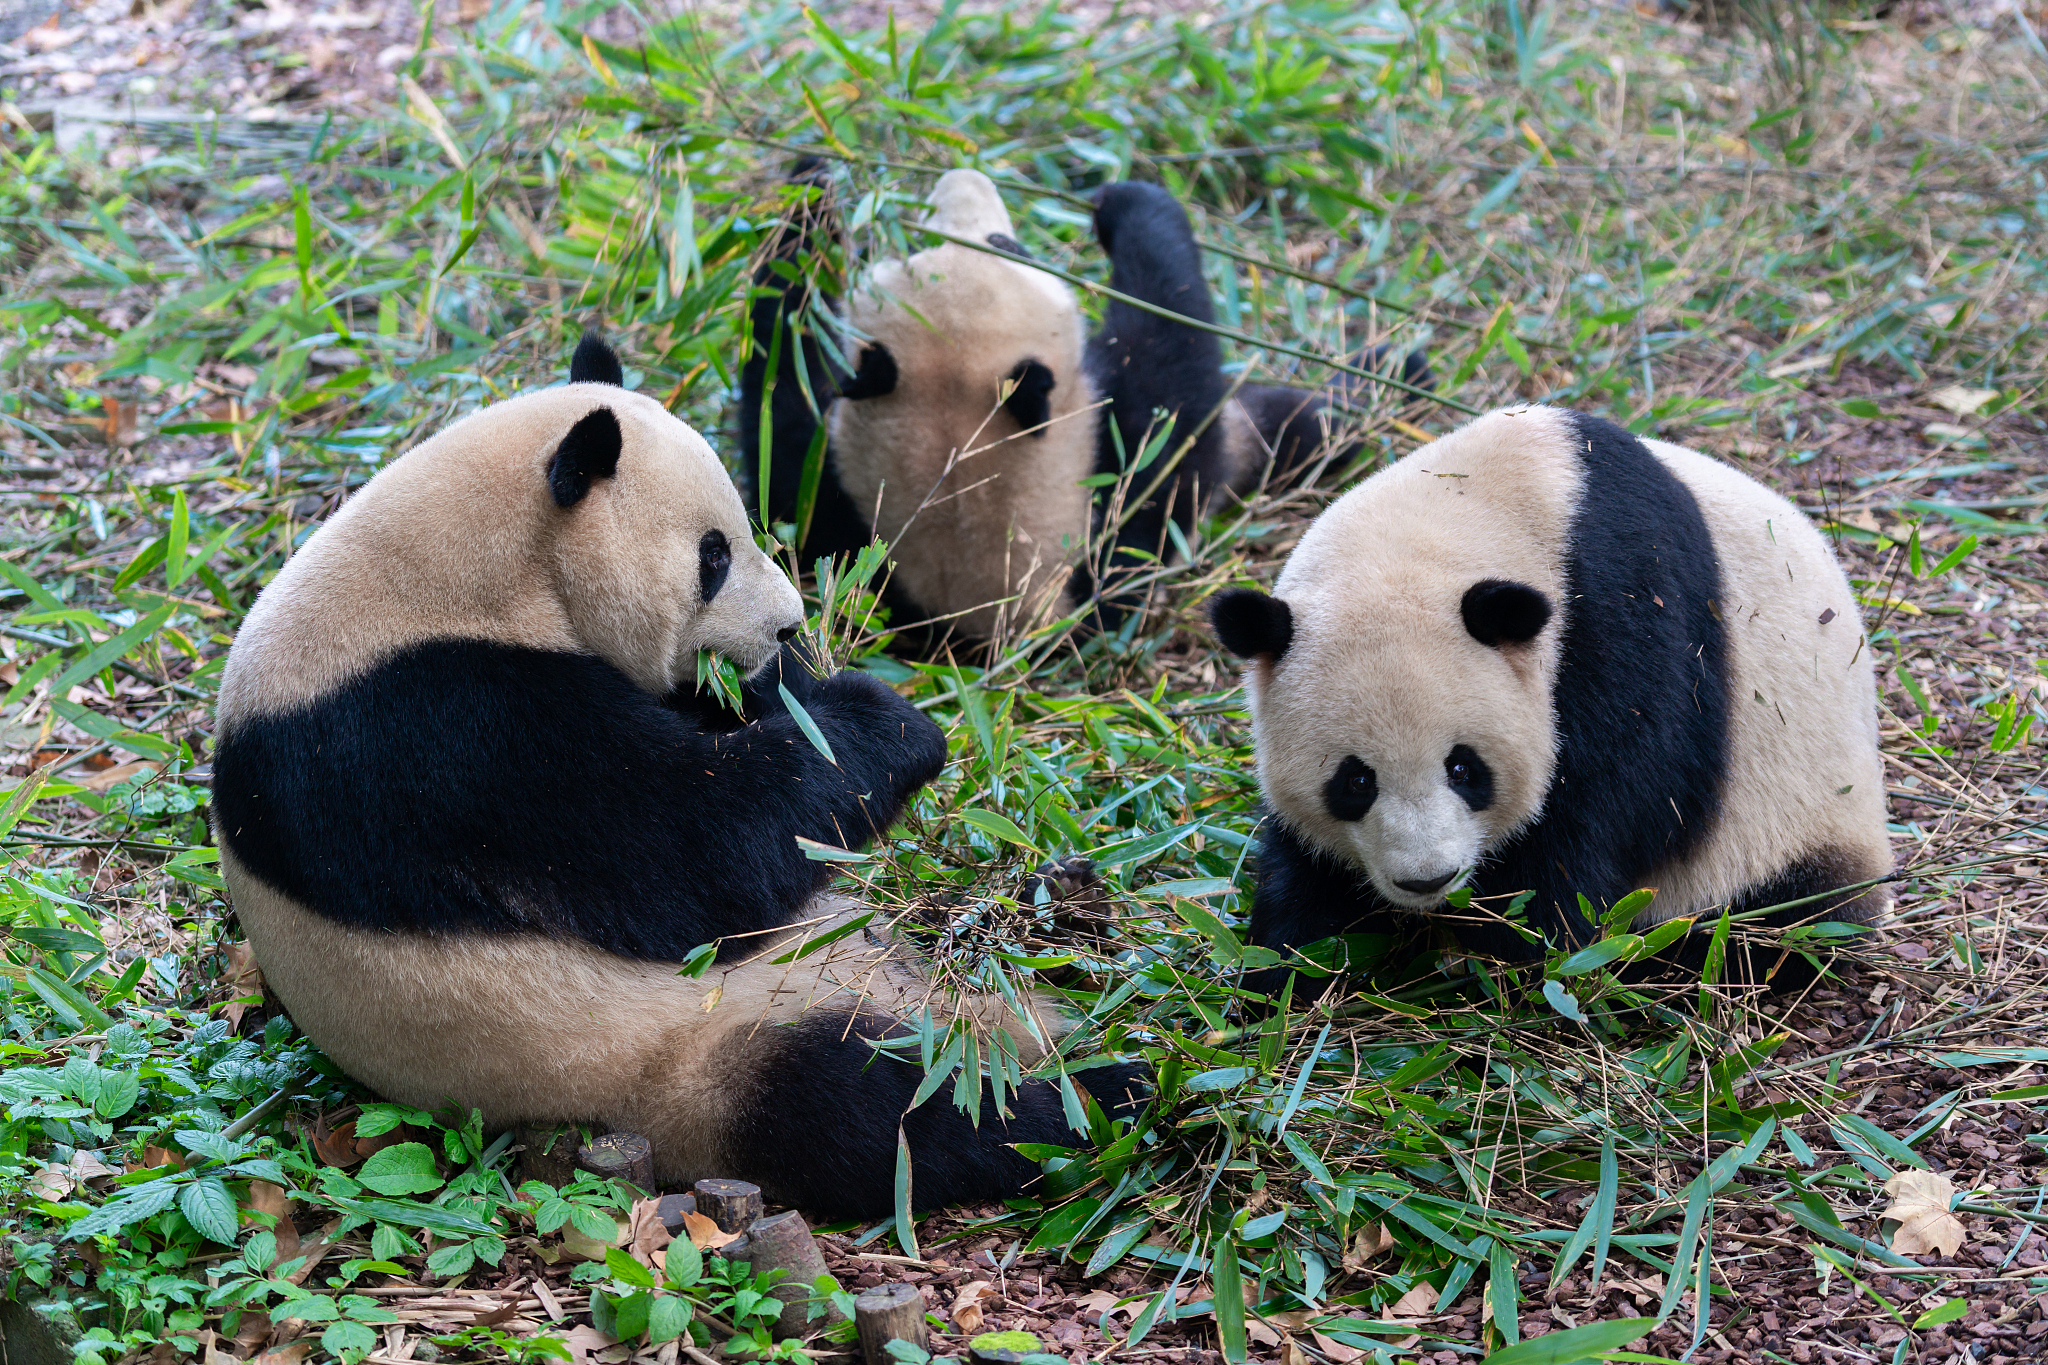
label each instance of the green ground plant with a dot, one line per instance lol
(1628, 217)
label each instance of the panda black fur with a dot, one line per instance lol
(983, 501)
(1543, 655)
(473, 813)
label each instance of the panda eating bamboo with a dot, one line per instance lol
(473, 814)
(1542, 655)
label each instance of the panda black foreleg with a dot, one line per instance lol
(819, 1128)
(1302, 897)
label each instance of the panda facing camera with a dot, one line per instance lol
(474, 814)
(1542, 655)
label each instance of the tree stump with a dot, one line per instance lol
(784, 1242)
(886, 1313)
(620, 1156)
(732, 1204)
(672, 1208)
(549, 1155)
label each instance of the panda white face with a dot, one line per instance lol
(1401, 673)
(654, 554)
(1401, 746)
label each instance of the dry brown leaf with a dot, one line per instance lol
(584, 1343)
(1336, 1350)
(244, 981)
(109, 777)
(647, 1235)
(53, 1183)
(1369, 1241)
(705, 1233)
(504, 1312)
(1419, 1302)
(265, 1197)
(967, 1306)
(123, 422)
(578, 1247)
(315, 1250)
(291, 1353)
(1643, 1290)
(1262, 1334)
(1960, 400)
(335, 1146)
(161, 1156)
(1107, 1305)
(1920, 1201)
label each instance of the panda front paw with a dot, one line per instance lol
(887, 736)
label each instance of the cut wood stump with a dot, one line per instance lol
(549, 1155)
(783, 1242)
(732, 1204)
(672, 1208)
(886, 1313)
(620, 1156)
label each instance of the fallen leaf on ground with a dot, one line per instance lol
(1960, 400)
(244, 981)
(967, 1310)
(1419, 1302)
(705, 1233)
(1262, 1334)
(291, 1353)
(647, 1235)
(265, 1197)
(585, 1341)
(52, 1183)
(1920, 1201)
(1336, 1350)
(1107, 1305)
(108, 777)
(335, 1146)
(1369, 1241)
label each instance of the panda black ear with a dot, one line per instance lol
(876, 375)
(595, 362)
(590, 451)
(1498, 612)
(1252, 625)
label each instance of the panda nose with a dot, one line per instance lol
(1423, 888)
(786, 634)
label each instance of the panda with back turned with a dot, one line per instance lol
(473, 814)
(976, 407)
(1543, 655)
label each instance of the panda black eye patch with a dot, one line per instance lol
(1351, 790)
(1469, 776)
(714, 562)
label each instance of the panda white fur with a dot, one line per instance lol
(965, 432)
(473, 812)
(1541, 654)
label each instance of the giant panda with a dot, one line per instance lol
(1543, 655)
(970, 410)
(473, 814)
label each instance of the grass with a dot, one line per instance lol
(208, 350)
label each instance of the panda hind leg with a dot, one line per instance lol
(818, 1129)
(1819, 882)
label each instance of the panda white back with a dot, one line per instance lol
(980, 498)
(1803, 754)
(1541, 655)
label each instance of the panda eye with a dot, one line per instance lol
(1351, 790)
(714, 562)
(1469, 776)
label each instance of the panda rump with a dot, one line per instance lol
(1543, 655)
(473, 813)
(975, 410)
